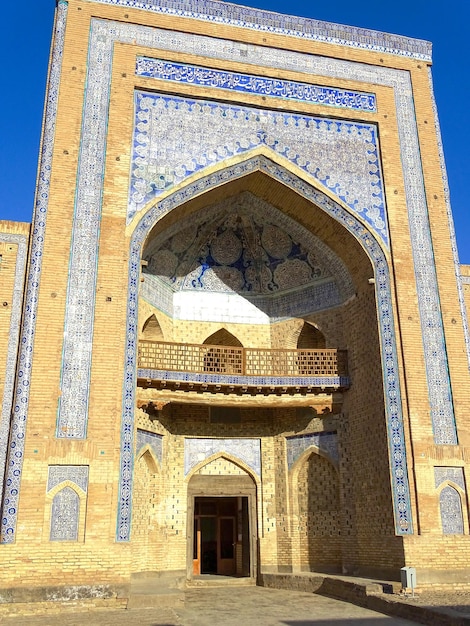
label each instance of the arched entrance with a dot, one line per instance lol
(222, 526)
(355, 256)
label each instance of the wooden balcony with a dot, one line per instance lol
(192, 367)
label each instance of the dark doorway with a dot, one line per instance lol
(221, 538)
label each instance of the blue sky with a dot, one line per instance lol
(24, 50)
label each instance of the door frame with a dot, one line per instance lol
(223, 487)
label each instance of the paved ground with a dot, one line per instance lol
(242, 606)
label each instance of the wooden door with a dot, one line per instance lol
(226, 542)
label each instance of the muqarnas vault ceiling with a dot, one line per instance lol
(252, 255)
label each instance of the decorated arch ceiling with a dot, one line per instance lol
(245, 247)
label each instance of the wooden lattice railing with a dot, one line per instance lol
(182, 357)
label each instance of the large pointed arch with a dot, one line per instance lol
(370, 244)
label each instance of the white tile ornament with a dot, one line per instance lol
(20, 408)
(450, 505)
(198, 450)
(65, 514)
(21, 241)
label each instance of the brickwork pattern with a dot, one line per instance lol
(319, 515)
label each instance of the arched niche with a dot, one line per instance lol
(151, 330)
(223, 337)
(316, 502)
(355, 246)
(310, 337)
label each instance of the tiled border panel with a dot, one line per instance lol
(16, 448)
(455, 252)
(247, 450)
(267, 21)
(252, 84)
(12, 351)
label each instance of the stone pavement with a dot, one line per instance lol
(225, 606)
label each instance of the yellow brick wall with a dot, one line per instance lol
(160, 497)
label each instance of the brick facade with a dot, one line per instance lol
(188, 203)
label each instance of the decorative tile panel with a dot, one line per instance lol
(453, 474)
(21, 241)
(225, 379)
(342, 156)
(77, 474)
(65, 515)
(146, 438)
(249, 251)
(198, 450)
(266, 21)
(451, 511)
(393, 406)
(20, 412)
(65, 510)
(326, 442)
(258, 85)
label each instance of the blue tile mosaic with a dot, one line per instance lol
(155, 442)
(198, 450)
(266, 21)
(451, 511)
(21, 241)
(251, 84)
(65, 509)
(327, 442)
(246, 246)
(203, 133)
